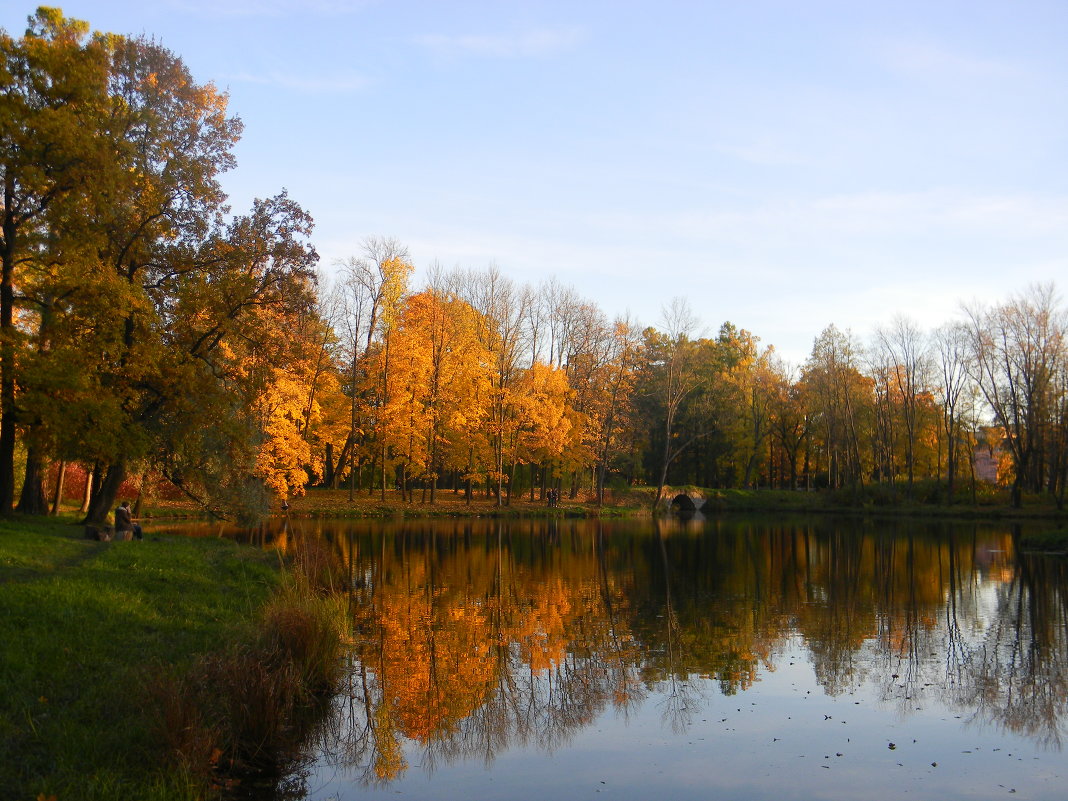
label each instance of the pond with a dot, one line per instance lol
(737, 658)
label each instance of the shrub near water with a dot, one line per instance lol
(246, 714)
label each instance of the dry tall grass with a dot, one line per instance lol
(247, 713)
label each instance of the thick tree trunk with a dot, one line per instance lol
(32, 501)
(104, 498)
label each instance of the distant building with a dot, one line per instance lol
(988, 454)
(986, 466)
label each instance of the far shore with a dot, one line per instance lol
(875, 500)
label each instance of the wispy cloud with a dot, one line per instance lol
(929, 59)
(765, 151)
(268, 8)
(869, 214)
(526, 44)
(307, 84)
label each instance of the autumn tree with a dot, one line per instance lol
(220, 400)
(741, 399)
(458, 384)
(839, 395)
(589, 349)
(161, 228)
(671, 378)
(789, 418)
(541, 428)
(615, 384)
(499, 305)
(54, 84)
(326, 412)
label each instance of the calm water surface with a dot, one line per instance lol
(737, 659)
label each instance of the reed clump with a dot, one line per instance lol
(246, 714)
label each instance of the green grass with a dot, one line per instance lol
(318, 502)
(928, 499)
(86, 628)
(1046, 542)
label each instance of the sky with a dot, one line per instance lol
(783, 166)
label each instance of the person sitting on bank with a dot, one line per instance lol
(124, 522)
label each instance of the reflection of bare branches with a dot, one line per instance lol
(1016, 678)
(680, 704)
(955, 648)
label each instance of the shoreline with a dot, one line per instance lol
(637, 504)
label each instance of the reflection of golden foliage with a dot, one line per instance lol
(438, 641)
(479, 640)
(389, 758)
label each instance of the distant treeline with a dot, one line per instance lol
(146, 331)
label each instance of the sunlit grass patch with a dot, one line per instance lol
(84, 626)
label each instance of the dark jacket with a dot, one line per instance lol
(123, 519)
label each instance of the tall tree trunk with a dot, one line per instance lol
(383, 470)
(7, 351)
(138, 501)
(32, 500)
(57, 496)
(90, 482)
(329, 476)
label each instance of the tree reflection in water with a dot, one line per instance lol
(470, 638)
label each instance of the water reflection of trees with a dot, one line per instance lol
(1016, 677)
(472, 637)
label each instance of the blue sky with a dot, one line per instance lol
(782, 165)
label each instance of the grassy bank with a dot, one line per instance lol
(336, 503)
(926, 500)
(1054, 541)
(98, 644)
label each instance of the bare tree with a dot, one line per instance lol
(1017, 349)
(366, 282)
(950, 342)
(908, 363)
